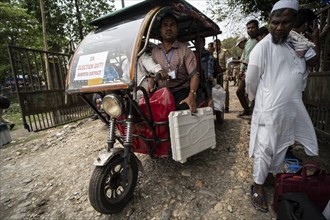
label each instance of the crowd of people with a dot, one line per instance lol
(272, 74)
(270, 77)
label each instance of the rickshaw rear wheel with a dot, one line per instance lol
(107, 191)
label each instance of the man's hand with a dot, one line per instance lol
(163, 74)
(151, 85)
(190, 101)
(314, 35)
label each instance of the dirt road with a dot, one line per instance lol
(46, 176)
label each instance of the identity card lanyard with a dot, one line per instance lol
(168, 60)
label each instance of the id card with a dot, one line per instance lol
(172, 74)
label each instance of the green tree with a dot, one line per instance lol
(230, 44)
(256, 6)
(84, 12)
(67, 20)
(16, 28)
(230, 18)
(55, 22)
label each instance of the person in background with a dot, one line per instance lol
(223, 55)
(235, 72)
(261, 33)
(210, 47)
(178, 61)
(252, 27)
(240, 43)
(275, 78)
(146, 65)
(304, 22)
(207, 62)
(302, 26)
(5, 104)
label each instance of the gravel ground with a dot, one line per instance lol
(46, 175)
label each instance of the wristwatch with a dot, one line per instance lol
(193, 92)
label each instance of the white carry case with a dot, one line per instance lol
(219, 97)
(191, 133)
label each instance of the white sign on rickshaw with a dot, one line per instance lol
(91, 66)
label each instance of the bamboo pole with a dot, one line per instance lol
(44, 34)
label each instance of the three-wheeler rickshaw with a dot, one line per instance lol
(150, 125)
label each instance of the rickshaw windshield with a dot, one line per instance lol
(104, 57)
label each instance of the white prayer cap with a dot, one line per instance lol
(293, 4)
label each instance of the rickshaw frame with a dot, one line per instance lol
(127, 179)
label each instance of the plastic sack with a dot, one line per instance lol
(218, 96)
(291, 165)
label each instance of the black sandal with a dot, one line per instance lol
(255, 195)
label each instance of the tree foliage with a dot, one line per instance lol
(230, 18)
(263, 7)
(67, 19)
(16, 28)
(230, 44)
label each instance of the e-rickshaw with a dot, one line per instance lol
(105, 63)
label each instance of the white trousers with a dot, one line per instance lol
(267, 158)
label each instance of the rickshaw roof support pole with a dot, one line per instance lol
(148, 35)
(150, 122)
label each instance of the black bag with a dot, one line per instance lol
(297, 206)
(4, 102)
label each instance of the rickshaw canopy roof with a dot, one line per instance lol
(184, 12)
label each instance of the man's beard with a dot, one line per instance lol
(279, 40)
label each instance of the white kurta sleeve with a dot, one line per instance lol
(125, 67)
(254, 72)
(149, 64)
(304, 82)
(251, 81)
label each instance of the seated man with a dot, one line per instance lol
(179, 64)
(146, 65)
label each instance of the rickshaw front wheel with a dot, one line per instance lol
(108, 191)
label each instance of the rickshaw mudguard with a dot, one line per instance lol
(104, 158)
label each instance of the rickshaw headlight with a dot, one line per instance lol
(113, 105)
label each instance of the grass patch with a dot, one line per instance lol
(26, 139)
(13, 114)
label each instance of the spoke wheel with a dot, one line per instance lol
(108, 191)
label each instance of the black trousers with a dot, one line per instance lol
(240, 92)
(179, 96)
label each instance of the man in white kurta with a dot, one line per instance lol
(146, 65)
(275, 79)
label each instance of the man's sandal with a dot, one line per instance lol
(255, 196)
